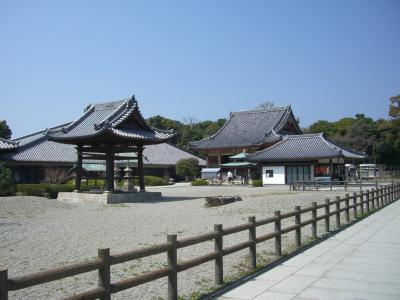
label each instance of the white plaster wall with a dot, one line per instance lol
(279, 175)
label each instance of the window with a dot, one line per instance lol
(269, 173)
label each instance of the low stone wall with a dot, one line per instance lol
(110, 198)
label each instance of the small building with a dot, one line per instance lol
(303, 157)
(247, 131)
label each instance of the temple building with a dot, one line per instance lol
(247, 131)
(269, 144)
(305, 157)
(117, 123)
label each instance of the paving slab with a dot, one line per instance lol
(360, 262)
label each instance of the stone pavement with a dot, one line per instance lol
(360, 262)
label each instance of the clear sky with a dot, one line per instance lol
(200, 59)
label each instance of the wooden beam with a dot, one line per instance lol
(109, 169)
(78, 177)
(140, 168)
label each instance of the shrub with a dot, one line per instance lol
(43, 189)
(151, 181)
(199, 182)
(257, 183)
(187, 167)
(6, 182)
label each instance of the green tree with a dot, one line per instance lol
(187, 167)
(394, 107)
(5, 131)
(6, 181)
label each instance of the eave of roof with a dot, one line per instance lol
(7, 144)
(304, 147)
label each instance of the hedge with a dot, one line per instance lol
(43, 189)
(257, 183)
(199, 182)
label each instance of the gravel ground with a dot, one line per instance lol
(37, 234)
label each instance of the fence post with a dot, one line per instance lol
(367, 202)
(314, 218)
(297, 219)
(104, 272)
(278, 236)
(330, 184)
(386, 195)
(347, 204)
(219, 262)
(376, 183)
(252, 247)
(381, 196)
(362, 202)
(355, 205)
(392, 192)
(373, 198)
(3, 283)
(172, 263)
(327, 208)
(337, 212)
(345, 185)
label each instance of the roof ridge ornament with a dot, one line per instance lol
(87, 107)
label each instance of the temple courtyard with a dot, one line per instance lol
(38, 234)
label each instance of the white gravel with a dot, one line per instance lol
(37, 234)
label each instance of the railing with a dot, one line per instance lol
(361, 202)
(330, 184)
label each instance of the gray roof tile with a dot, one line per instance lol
(108, 118)
(302, 147)
(7, 144)
(248, 128)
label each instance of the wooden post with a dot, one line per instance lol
(367, 202)
(330, 183)
(140, 168)
(345, 186)
(391, 192)
(78, 177)
(327, 208)
(252, 247)
(387, 195)
(381, 196)
(314, 218)
(347, 204)
(297, 219)
(278, 237)
(109, 168)
(219, 260)
(337, 212)
(355, 205)
(173, 264)
(104, 272)
(362, 202)
(3, 283)
(373, 199)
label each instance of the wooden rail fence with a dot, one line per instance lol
(323, 185)
(360, 202)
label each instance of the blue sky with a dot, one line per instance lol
(200, 59)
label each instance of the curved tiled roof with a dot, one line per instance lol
(36, 148)
(248, 128)
(301, 148)
(108, 119)
(7, 144)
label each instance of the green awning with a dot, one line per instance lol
(94, 167)
(238, 164)
(239, 156)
